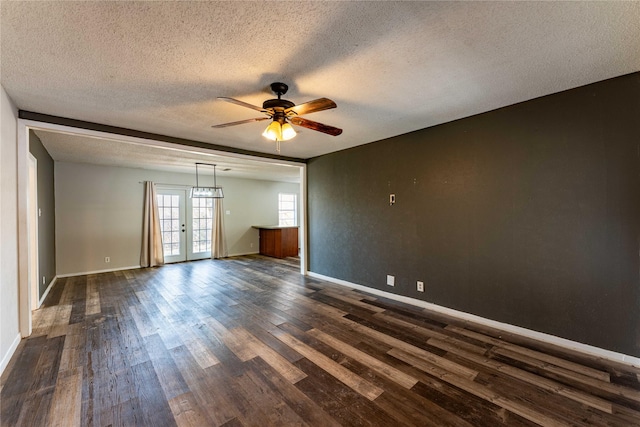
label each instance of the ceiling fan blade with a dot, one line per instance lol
(311, 106)
(310, 124)
(224, 125)
(242, 103)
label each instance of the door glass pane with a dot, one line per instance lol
(202, 213)
(168, 208)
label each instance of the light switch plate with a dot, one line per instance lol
(391, 280)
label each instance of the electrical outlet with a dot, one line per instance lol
(420, 286)
(251, 244)
(43, 280)
(107, 259)
(392, 199)
(391, 280)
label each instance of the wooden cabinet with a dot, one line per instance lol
(278, 242)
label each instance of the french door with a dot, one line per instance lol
(185, 225)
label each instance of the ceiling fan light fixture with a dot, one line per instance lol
(273, 131)
(279, 132)
(287, 132)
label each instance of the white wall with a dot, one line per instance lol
(99, 213)
(250, 202)
(9, 326)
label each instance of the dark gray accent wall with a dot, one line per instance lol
(47, 219)
(528, 215)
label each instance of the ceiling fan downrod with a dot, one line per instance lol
(279, 89)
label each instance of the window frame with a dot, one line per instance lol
(284, 222)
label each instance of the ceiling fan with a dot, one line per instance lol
(284, 113)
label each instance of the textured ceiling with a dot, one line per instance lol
(392, 67)
(82, 149)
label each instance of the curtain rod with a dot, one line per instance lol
(167, 185)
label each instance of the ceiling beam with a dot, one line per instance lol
(29, 115)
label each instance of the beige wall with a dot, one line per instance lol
(99, 213)
(9, 327)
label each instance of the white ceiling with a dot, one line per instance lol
(392, 67)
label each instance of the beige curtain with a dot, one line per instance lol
(218, 238)
(151, 254)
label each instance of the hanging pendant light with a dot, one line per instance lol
(214, 192)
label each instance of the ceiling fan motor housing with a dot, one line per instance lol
(277, 103)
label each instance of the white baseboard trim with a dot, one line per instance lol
(46, 291)
(132, 267)
(7, 357)
(109, 270)
(528, 333)
(243, 254)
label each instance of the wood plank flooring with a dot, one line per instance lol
(248, 341)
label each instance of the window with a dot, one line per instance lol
(202, 220)
(287, 209)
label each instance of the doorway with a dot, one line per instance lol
(110, 135)
(185, 224)
(32, 209)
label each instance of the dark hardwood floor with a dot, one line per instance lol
(248, 341)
